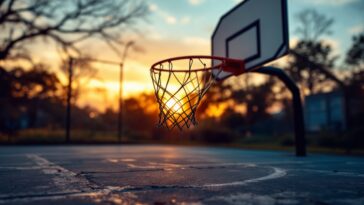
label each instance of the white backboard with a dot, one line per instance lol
(255, 31)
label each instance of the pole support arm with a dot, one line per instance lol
(299, 127)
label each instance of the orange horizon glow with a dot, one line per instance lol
(102, 91)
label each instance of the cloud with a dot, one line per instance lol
(167, 17)
(153, 7)
(195, 2)
(170, 19)
(356, 29)
(331, 2)
(185, 20)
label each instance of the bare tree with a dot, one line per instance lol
(312, 25)
(310, 50)
(355, 55)
(67, 22)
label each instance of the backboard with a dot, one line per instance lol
(255, 31)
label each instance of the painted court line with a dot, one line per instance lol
(70, 185)
(73, 185)
(277, 173)
(64, 179)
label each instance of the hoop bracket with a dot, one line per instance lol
(236, 67)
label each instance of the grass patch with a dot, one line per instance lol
(258, 142)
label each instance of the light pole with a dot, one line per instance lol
(69, 91)
(120, 116)
(69, 98)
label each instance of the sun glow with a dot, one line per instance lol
(173, 105)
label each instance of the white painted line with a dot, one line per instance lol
(277, 173)
(70, 185)
(64, 179)
(331, 172)
(21, 168)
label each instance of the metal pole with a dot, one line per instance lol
(69, 96)
(299, 127)
(120, 116)
(333, 77)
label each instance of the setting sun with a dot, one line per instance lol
(173, 105)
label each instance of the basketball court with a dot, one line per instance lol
(246, 38)
(175, 175)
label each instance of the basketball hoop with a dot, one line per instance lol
(181, 82)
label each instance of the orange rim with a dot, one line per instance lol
(227, 64)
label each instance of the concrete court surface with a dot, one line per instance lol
(137, 174)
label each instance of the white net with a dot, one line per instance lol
(179, 87)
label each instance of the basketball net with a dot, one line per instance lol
(180, 84)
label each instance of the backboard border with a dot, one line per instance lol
(255, 24)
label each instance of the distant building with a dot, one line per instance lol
(325, 111)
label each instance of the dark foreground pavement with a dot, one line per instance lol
(175, 175)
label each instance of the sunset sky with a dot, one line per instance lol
(183, 27)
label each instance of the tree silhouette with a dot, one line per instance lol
(66, 22)
(355, 59)
(307, 63)
(25, 94)
(257, 98)
(312, 58)
(312, 25)
(141, 113)
(355, 55)
(217, 93)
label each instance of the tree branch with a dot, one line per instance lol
(77, 21)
